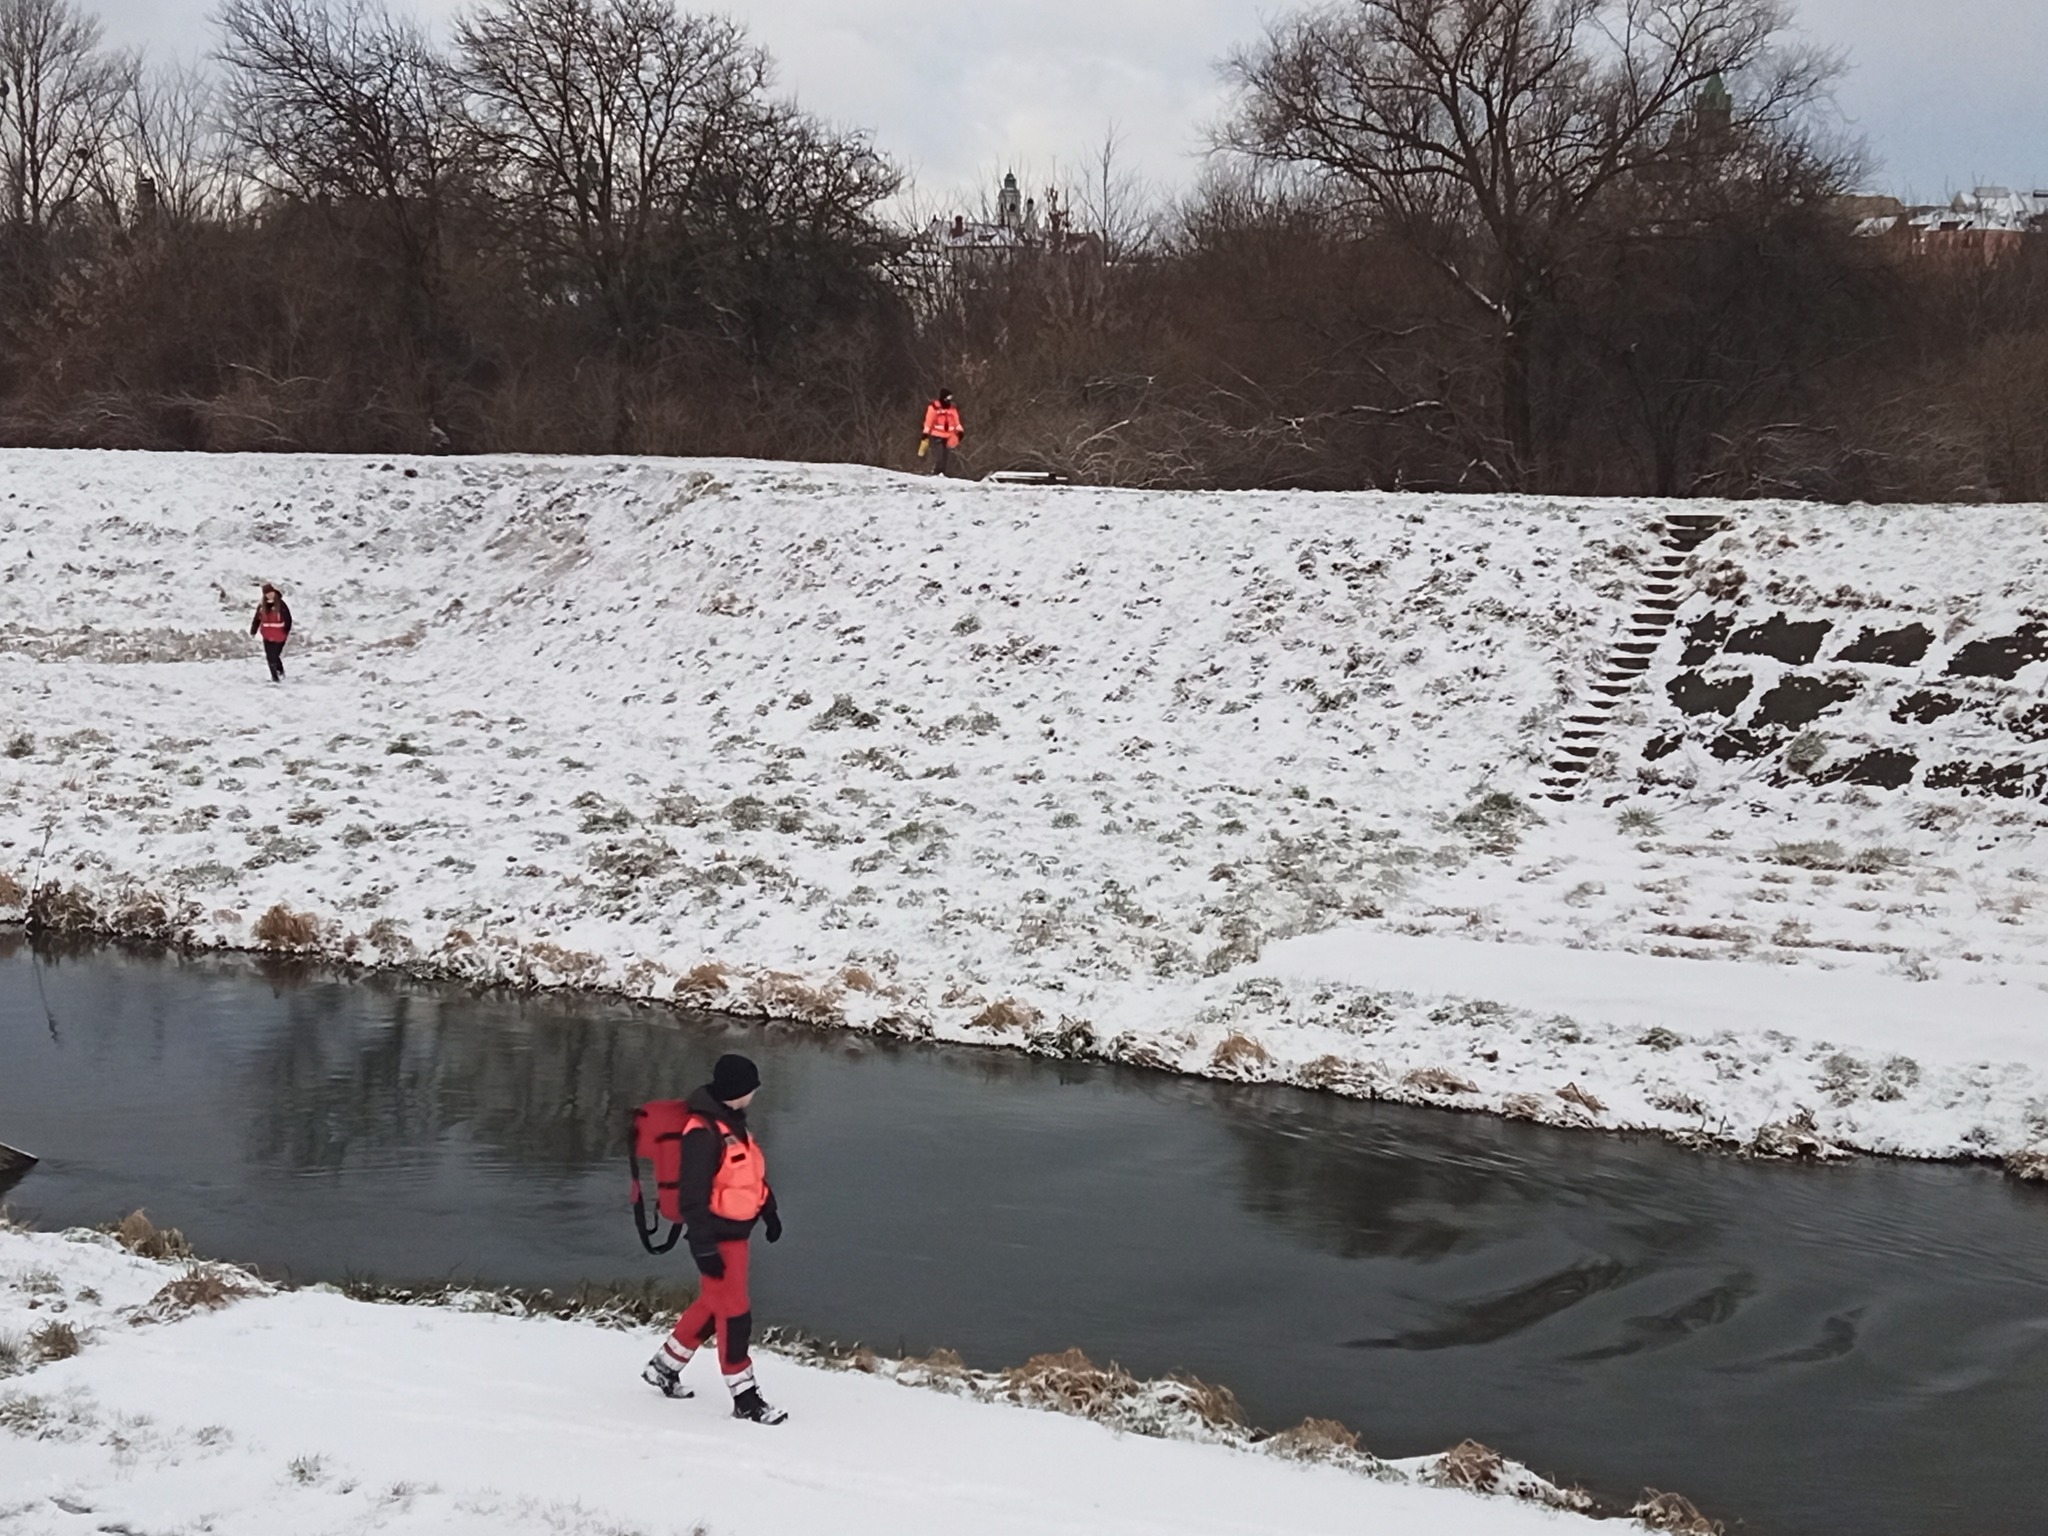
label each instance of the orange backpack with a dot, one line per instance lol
(657, 1136)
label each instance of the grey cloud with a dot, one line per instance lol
(1948, 94)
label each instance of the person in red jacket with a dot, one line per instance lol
(724, 1193)
(273, 622)
(941, 431)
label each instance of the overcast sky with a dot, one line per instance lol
(1949, 93)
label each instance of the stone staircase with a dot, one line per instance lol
(1656, 611)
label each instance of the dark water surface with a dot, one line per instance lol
(1859, 1350)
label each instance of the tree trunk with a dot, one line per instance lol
(1517, 404)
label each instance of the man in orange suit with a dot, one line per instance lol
(941, 432)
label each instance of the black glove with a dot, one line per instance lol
(772, 1224)
(710, 1262)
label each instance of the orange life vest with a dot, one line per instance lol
(739, 1187)
(271, 621)
(942, 421)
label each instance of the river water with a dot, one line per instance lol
(1859, 1349)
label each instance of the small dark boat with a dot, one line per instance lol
(14, 1167)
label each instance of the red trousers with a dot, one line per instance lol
(722, 1307)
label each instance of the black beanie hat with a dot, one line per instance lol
(734, 1078)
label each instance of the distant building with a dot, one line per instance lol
(1018, 225)
(1986, 224)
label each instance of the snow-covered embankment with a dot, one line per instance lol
(138, 1395)
(1237, 785)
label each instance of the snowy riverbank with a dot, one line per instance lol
(143, 1395)
(1240, 785)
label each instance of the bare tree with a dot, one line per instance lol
(1117, 203)
(61, 97)
(1485, 133)
(176, 140)
(348, 109)
(605, 117)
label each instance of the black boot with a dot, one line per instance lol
(751, 1405)
(665, 1379)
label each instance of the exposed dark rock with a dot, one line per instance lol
(1906, 647)
(2012, 781)
(2028, 724)
(1695, 695)
(1780, 638)
(2002, 656)
(1704, 638)
(1663, 747)
(1800, 700)
(1730, 745)
(1925, 707)
(1882, 769)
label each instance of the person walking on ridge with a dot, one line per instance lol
(942, 432)
(724, 1193)
(273, 622)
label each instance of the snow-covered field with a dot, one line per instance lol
(1240, 784)
(132, 1399)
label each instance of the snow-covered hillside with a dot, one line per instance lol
(1233, 784)
(142, 1396)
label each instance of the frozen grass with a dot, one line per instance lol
(55, 1340)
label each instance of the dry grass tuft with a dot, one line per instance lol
(782, 996)
(855, 979)
(945, 1363)
(1241, 1056)
(1338, 1074)
(1572, 1093)
(202, 1288)
(1469, 1465)
(55, 1341)
(1438, 1080)
(573, 966)
(2030, 1167)
(63, 909)
(1314, 1440)
(12, 892)
(1216, 1406)
(145, 1239)
(1070, 1383)
(1833, 856)
(704, 981)
(1676, 1513)
(1007, 1014)
(282, 928)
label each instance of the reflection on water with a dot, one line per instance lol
(1862, 1348)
